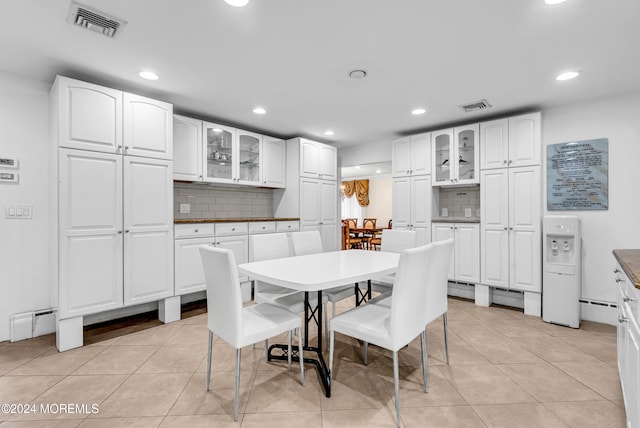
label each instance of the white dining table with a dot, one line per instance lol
(315, 273)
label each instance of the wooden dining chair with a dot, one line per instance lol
(368, 223)
(395, 326)
(237, 325)
(349, 239)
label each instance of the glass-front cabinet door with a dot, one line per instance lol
(467, 154)
(442, 148)
(219, 142)
(455, 155)
(250, 150)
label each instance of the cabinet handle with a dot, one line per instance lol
(264, 227)
(233, 229)
(126, 148)
(119, 147)
(511, 228)
(619, 279)
(200, 175)
(119, 231)
(407, 171)
(628, 299)
(451, 227)
(510, 161)
(621, 319)
(196, 231)
(289, 227)
(616, 270)
(506, 228)
(504, 161)
(126, 231)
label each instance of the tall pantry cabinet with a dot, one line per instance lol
(511, 209)
(312, 189)
(113, 204)
(412, 192)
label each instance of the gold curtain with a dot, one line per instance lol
(358, 187)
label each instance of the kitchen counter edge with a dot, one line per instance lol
(230, 220)
(630, 262)
(455, 220)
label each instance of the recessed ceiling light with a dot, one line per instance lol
(553, 1)
(237, 3)
(329, 132)
(259, 110)
(418, 111)
(568, 75)
(378, 171)
(149, 75)
(357, 167)
(357, 74)
(217, 130)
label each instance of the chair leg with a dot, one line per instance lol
(289, 350)
(446, 337)
(396, 382)
(235, 402)
(301, 355)
(365, 353)
(331, 348)
(326, 318)
(425, 368)
(326, 324)
(266, 349)
(209, 360)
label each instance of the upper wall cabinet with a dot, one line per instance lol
(92, 117)
(318, 160)
(511, 142)
(411, 155)
(220, 154)
(148, 127)
(187, 148)
(455, 155)
(274, 157)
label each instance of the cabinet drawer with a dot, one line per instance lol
(229, 229)
(287, 226)
(199, 230)
(262, 227)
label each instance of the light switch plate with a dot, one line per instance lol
(467, 212)
(20, 212)
(445, 212)
(185, 208)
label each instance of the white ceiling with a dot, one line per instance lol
(292, 57)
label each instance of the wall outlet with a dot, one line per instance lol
(467, 212)
(445, 212)
(185, 208)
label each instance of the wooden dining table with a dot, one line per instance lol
(360, 231)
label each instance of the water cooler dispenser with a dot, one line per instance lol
(562, 270)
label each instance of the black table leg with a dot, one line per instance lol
(318, 361)
(360, 296)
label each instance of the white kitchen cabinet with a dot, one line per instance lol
(274, 160)
(455, 155)
(628, 343)
(307, 196)
(116, 243)
(92, 117)
(187, 148)
(510, 142)
(411, 155)
(511, 229)
(465, 263)
(189, 273)
(90, 240)
(88, 116)
(319, 209)
(411, 205)
(148, 127)
(148, 230)
(318, 160)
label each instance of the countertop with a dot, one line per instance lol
(230, 220)
(630, 262)
(455, 220)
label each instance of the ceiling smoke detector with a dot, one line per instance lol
(94, 20)
(357, 74)
(475, 106)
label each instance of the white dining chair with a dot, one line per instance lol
(310, 242)
(395, 326)
(234, 324)
(395, 241)
(436, 283)
(273, 246)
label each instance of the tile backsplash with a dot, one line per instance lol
(456, 199)
(218, 201)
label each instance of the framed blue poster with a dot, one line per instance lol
(578, 175)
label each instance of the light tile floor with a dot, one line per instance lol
(507, 369)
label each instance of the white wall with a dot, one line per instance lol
(617, 119)
(377, 151)
(380, 189)
(24, 244)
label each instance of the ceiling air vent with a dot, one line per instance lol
(476, 106)
(94, 20)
